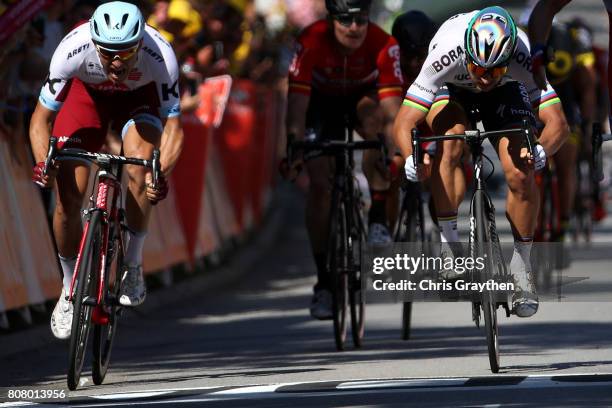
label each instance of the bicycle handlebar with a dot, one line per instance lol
(471, 136)
(331, 146)
(597, 140)
(102, 159)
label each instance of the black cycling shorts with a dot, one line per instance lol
(500, 108)
(328, 116)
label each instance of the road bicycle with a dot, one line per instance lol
(410, 229)
(94, 290)
(346, 233)
(483, 239)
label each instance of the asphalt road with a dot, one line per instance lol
(253, 343)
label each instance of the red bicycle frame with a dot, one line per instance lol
(108, 186)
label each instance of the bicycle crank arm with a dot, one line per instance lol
(90, 301)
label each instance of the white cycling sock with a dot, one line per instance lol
(133, 254)
(68, 265)
(448, 228)
(520, 265)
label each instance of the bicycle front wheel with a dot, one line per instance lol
(337, 266)
(83, 298)
(483, 248)
(356, 298)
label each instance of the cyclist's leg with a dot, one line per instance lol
(141, 133)
(370, 125)
(505, 108)
(448, 116)
(324, 120)
(565, 166)
(78, 125)
(317, 214)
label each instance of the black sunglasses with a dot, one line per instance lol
(348, 19)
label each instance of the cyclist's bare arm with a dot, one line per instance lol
(541, 18)
(390, 107)
(407, 119)
(297, 105)
(171, 144)
(40, 131)
(555, 131)
(585, 79)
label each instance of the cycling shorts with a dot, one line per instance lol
(325, 117)
(500, 108)
(85, 116)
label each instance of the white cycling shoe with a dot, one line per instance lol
(525, 299)
(378, 234)
(61, 319)
(133, 289)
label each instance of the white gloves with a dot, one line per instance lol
(540, 158)
(410, 169)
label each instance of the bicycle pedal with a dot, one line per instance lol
(506, 307)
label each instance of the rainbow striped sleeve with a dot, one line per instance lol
(417, 102)
(549, 97)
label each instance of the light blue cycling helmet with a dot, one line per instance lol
(491, 37)
(117, 26)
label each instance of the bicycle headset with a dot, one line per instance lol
(491, 38)
(117, 26)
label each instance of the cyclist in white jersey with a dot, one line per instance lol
(113, 72)
(480, 60)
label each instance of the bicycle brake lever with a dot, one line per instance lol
(527, 129)
(156, 167)
(50, 153)
(416, 147)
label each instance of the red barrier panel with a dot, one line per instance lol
(234, 139)
(28, 265)
(188, 178)
(165, 244)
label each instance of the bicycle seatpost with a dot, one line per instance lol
(50, 153)
(156, 166)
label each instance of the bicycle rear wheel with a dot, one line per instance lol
(483, 248)
(104, 334)
(83, 297)
(337, 266)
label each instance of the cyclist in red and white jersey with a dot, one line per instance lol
(344, 66)
(480, 60)
(114, 71)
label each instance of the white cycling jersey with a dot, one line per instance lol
(76, 57)
(446, 64)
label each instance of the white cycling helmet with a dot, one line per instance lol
(117, 26)
(491, 38)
